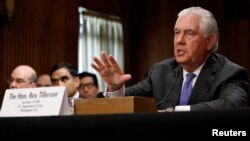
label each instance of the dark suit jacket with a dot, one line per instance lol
(100, 95)
(221, 84)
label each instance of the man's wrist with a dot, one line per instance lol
(170, 109)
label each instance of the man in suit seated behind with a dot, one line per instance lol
(23, 76)
(89, 87)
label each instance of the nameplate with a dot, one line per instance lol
(42, 101)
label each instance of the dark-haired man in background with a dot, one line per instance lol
(89, 87)
(65, 74)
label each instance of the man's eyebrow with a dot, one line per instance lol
(185, 29)
(65, 76)
(188, 29)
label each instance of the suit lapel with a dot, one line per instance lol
(204, 82)
(173, 98)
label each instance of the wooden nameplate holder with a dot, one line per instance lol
(128, 104)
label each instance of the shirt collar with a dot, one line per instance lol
(76, 95)
(196, 72)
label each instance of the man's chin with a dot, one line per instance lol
(180, 60)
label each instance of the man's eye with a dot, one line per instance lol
(20, 81)
(176, 32)
(190, 33)
(64, 79)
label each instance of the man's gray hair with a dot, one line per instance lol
(208, 22)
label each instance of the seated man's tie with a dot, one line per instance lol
(187, 89)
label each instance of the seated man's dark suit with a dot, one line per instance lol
(221, 84)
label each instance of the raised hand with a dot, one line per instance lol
(110, 71)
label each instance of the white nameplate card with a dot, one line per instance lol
(42, 101)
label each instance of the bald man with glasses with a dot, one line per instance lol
(23, 76)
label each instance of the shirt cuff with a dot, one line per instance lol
(118, 93)
(182, 108)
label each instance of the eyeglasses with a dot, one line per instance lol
(18, 81)
(88, 86)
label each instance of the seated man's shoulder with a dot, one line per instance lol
(229, 66)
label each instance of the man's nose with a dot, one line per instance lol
(181, 38)
(13, 84)
(60, 83)
(86, 88)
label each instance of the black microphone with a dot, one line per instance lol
(177, 72)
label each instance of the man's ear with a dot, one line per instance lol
(211, 39)
(77, 81)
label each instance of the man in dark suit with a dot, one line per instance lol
(65, 74)
(89, 87)
(216, 83)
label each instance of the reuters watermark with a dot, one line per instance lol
(231, 132)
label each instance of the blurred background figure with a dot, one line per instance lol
(89, 87)
(23, 76)
(65, 74)
(43, 80)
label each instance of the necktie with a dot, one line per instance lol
(187, 89)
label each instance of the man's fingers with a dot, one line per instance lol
(106, 60)
(125, 77)
(97, 65)
(107, 63)
(115, 64)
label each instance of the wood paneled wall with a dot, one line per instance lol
(42, 33)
